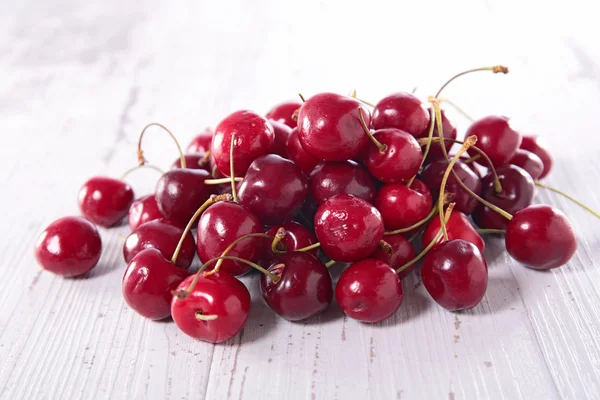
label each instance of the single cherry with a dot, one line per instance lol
(298, 155)
(369, 291)
(458, 227)
(69, 246)
(401, 111)
(496, 138)
(401, 206)
(330, 179)
(284, 113)
(282, 134)
(143, 210)
(201, 143)
(538, 147)
(530, 162)
(105, 201)
(396, 160)
(193, 161)
(402, 252)
(297, 236)
(449, 131)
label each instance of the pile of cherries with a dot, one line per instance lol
(330, 180)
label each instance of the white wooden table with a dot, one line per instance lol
(78, 80)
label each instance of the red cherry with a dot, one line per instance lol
(329, 127)
(330, 179)
(69, 246)
(105, 201)
(143, 210)
(282, 134)
(254, 137)
(369, 291)
(496, 138)
(193, 161)
(148, 282)
(216, 309)
(162, 236)
(180, 192)
(284, 113)
(400, 160)
(538, 147)
(455, 274)
(401, 206)
(458, 227)
(402, 252)
(449, 131)
(296, 237)
(348, 228)
(298, 155)
(401, 111)
(273, 189)
(529, 162)
(304, 289)
(201, 143)
(540, 237)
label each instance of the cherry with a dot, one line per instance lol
(402, 252)
(298, 155)
(254, 137)
(329, 127)
(216, 309)
(162, 236)
(273, 189)
(143, 210)
(221, 224)
(282, 134)
(538, 147)
(458, 226)
(193, 161)
(296, 237)
(455, 274)
(401, 111)
(529, 162)
(304, 289)
(105, 201)
(540, 237)
(284, 113)
(69, 246)
(518, 191)
(201, 143)
(449, 132)
(369, 291)
(148, 282)
(401, 206)
(348, 228)
(330, 179)
(496, 138)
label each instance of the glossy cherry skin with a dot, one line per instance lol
(69, 246)
(296, 237)
(304, 289)
(518, 190)
(148, 282)
(105, 201)
(273, 189)
(193, 161)
(496, 138)
(282, 134)
(162, 236)
(538, 147)
(402, 252)
(401, 206)
(399, 162)
(369, 291)
(348, 228)
(298, 155)
(540, 237)
(180, 192)
(330, 179)
(201, 143)
(432, 176)
(458, 227)
(401, 111)
(529, 162)
(219, 226)
(329, 127)
(449, 132)
(143, 210)
(254, 137)
(455, 274)
(284, 113)
(219, 295)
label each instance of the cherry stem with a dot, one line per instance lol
(385, 247)
(149, 166)
(495, 69)
(330, 263)
(427, 145)
(205, 317)
(280, 234)
(311, 247)
(382, 147)
(552, 189)
(221, 180)
(231, 170)
(491, 231)
(140, 152)
(457, 108)
(433, 211)
(302, 97)
(472, 159)
(232, 245)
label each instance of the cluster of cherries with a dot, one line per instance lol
(333, 179)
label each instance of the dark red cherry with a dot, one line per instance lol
(518, 190)
(148, 282)
(330, 179)
(297, 236)
(496, 138)
(180, 192)
(105, 201)
(449, 131)
(284, 113)
(329, 127)
(401, 206)
(201, 143)
(254, 137)
(401, 111)
(298, 155)
(402, 252)
(458, 227)
(399, 162)
(282, 134)
(162, 236)
(273, 189)
(529, 162)
(369, 291)
(455, 274)
(69, 246)
(216, 309)
(348, 228)
(540, 237)
(193, 161)
(538, 147)
(432, 176)
(219, 226)
(304, 289)
(143, 210)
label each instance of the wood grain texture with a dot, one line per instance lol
(79, 81)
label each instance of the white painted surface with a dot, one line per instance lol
(78, 80)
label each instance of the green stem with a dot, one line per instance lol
(231, 170)
(140, 152)
(495, 69)
(491, 231)
(232, 245)
(281, 232)
(221, 180)
(580, 204)
(457, 108)
(330, 263)
(382, 147)
(149, 166)
(311, 247)
(415, 225)
(427, 145)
